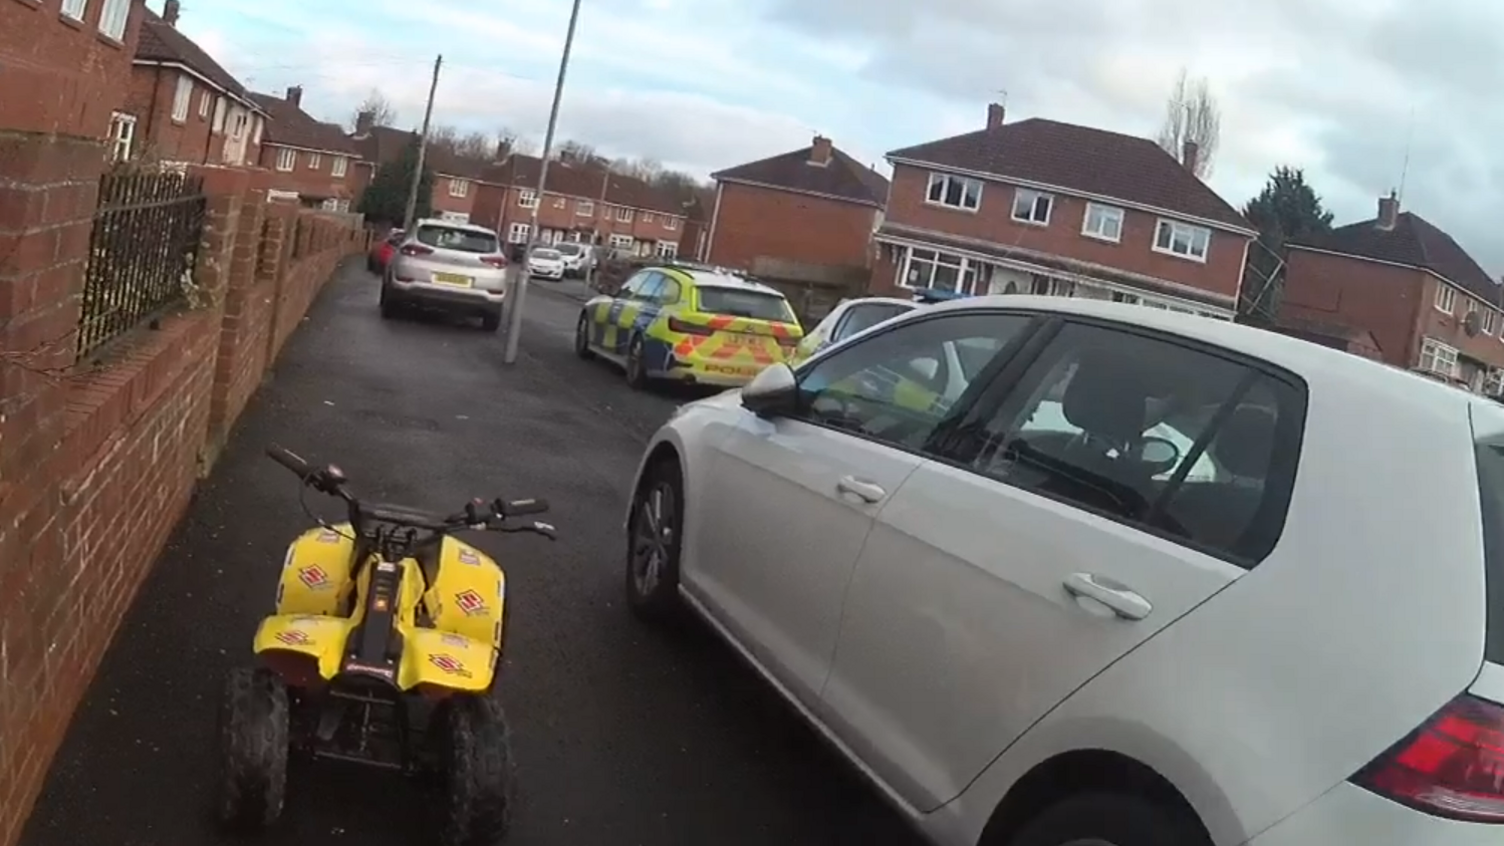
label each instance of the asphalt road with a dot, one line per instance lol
(623, 735)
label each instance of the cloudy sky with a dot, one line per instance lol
(1339, 87)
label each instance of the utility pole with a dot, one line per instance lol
(519, 284)
(412, 191)
(595, 231)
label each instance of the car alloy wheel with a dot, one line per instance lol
(637, 374)
(653, 537)
(582, 338)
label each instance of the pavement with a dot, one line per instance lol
(623, 734)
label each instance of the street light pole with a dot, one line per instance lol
(519, 284)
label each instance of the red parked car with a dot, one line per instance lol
(381, 254)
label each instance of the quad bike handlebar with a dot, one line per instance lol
(478, 515)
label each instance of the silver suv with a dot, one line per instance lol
(454, 267)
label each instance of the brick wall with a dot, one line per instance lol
(61, 75)
(752, 222)
(1382, 298)
(99, 464)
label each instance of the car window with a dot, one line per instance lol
(1491, 490)
(571, 249)
(744, 302)
(898, 385)
(460, 240)
(864, 316)
(669, 294)
(547, 255)
(630, 287)
(396, 236)
(651, 284)
(1151, 432)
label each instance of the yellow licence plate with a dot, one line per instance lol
(453, 279)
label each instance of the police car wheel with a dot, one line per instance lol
(582, 339)
(637, 369)
(653, 543)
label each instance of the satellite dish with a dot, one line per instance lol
(1472, 323)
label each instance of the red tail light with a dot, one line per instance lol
(494, 261)
(1453, 766)
(677, 325)
(416, 250)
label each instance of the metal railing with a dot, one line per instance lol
(141, 252)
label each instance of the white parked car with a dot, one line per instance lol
(850, 318)
(1059, 572)
(545, 263)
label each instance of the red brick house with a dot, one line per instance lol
(1427, 304)
(312, 162)
(815, 205)
(182, 106)
(1046, 207)
(64, 64)
(454, 178)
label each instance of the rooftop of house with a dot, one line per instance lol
(820, 169)
(1412, 241)
(290, 126)
(1079, 158)
(161, 41)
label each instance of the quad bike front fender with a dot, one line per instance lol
(429, 657)
(316, 572)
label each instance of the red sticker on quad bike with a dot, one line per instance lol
(471, 603)
(293, 637)
(314, 577)
(450, 665)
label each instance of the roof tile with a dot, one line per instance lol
(1414, 242)
(291, 126)
(162, 42)
(843, 177)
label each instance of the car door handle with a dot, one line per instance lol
(865, 491)
(1123, 601)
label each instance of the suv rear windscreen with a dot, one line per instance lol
(740, 302)
(1491, 488)
(454, 238)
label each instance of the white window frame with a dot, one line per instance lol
(968, 192)
(1493, 385)
(75, 9)
(257, 125)
(1105, 214)
(287, 159)
(1436, 357)
(561, 202)
(315, 161)
(1028, 201)
(459, 188)
(1191, 233)
(1446, 298)
(340, 167)
(623, 214)
(584, 208)
(668, 249)
(670, 223)
(647, 217)
(204, 100)
(622, 242)
(220, 107)
(527, 198)
(1486, 326)
(114, 17)
(518, 233)
(966, 269)
(122, 136)
(182, 98)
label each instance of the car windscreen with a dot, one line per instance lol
(455, 238)
(547, 255)
(1491, 489)
(571, 249)
(743, 302)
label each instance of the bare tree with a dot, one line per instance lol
(1192, 114)
(378, 105)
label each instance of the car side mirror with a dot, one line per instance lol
(772, 393)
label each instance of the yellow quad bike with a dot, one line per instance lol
(383, 650)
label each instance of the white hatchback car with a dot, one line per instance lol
(1147, 579)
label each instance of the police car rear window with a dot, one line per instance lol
(739, 302)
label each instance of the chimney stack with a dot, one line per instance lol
(503, 149)
(364, 123)
(1190, 155)
(994, 115)
(819, 151)
(170, 11)
(295, 95)
(1389, 212)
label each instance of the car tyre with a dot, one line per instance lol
(253, 731)
(637, 368)
(654, 541)
(582, 338)
(491, 320)
(475, 771)
(389, 305)
(1113, 820)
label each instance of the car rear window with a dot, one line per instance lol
(546, 254)
(1491, 490)
(571, 249)
(740, 302)
(454, 238)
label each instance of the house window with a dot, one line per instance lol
(647, 217)
(1105, 222)
(330, 204)
(1032, 207)
(668, 249)
(624, 215)
(1123, 297)
(955, 192)
(561, 203)
(942, 271)
(113, 19)
(1446, 298)
(671, 223)
(1436, 357)
(1182, 239)
(621, 242)
(341, 164)
(517, 233)
(122, 135)
(527, 198)
(75, 8)
(1488, 321)
(286, 159)
(584, 208)
(219, 116)
(256, 139)
(181, 98)
(1495, 382)
(315, 161)
(459, 188)
(204, 101)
